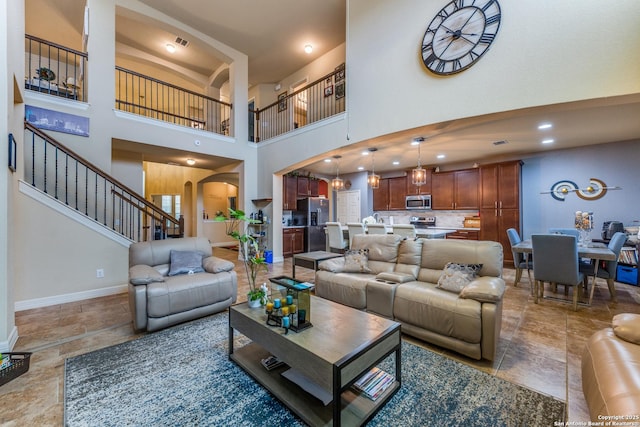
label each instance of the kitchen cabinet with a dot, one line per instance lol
(455, 190)
(423, 189)
(289, 193)
(390, 195)
(307, 187)
(292, 241)
(500, 203)
(464, 235)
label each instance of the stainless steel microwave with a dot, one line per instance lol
(422, 202)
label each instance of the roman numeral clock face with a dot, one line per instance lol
(459, 35)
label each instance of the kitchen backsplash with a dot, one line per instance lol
(444, 219)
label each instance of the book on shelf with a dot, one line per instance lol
(271, 362)
(374, 383)
(628, 256)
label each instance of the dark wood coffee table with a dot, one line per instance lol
(343, 344)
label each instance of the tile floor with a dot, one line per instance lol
(540, 345)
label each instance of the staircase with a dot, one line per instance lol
(57, 171)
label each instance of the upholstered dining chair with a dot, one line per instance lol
(337, 242)
(376, 229)
(521, 260)
(405, 230)
(355, 228)
(607, 269)
(556, 261)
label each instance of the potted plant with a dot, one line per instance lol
(253, 257)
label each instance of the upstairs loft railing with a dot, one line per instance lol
(66, 176)
(316, 101)
(54, 69)
(146, 96)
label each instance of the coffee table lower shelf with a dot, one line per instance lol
(355, 408)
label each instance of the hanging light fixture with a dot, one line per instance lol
(373, 180)
(419, 174)
(337, 183)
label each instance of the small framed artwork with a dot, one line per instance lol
(282, 102)
(340, 90)
(328, 91)
(12, 153)
(339, 75)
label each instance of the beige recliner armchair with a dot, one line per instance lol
(175, 280)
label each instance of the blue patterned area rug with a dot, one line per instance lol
(182, 376)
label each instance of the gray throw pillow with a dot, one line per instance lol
(144, 274)
(185, 262)
(216, 265)
(356, 261)
(456, 276)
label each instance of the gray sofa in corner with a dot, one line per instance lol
(402, 285)
(162, 293)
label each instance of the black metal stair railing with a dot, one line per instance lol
(59, 172)
(149, 97)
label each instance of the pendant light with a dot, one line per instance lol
(373, 180)
(337, 183)
(419, 174)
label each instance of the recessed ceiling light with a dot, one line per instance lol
(191, 162)
(308, 48)
(360, 168)
(441, 156)
(543, 126)
(327, 160)
(170, 48)
(548, 141)
(396, 163)
(365, 153)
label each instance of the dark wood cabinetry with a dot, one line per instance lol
(390, 195)
(423, 189)
(500, 203)
(289, 193)
(455, 190)
(307, 187)
(292, 241)
(464, 235)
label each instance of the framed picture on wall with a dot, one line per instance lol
(12, 153)
(328, 91)
(339, 75)
(340, 90)
(282, 102)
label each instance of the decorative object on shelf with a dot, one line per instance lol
(253, 258)
(459, 35)
(290, 305)
(419, 174)
(584, 224)
(373, 180)
(282, 102)
(337, 183)
(45, 73)
(594, 191)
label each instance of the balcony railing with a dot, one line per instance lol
(54, 69)
(146, 96)
(59, 172)
(318, 100)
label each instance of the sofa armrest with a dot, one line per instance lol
(333, 265)
(142, 274)
(484, 289)
(214, 264)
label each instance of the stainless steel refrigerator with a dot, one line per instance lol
(316, 211)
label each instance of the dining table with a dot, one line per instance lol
(594, 250)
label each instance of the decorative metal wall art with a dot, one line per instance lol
(594, 191)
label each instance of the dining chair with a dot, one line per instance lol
(376, 228)
(556, 261)
(355, 228)
(405, 230)
(521, 260)
(337, 241)
(566, 231)
(606, 269)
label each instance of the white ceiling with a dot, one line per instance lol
(273, 35)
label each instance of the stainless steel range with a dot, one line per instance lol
(423, 221)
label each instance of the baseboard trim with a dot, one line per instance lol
(7, 346)
(65, 298)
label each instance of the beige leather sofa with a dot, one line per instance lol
(402, 282)
(158, 298)
(611, 372)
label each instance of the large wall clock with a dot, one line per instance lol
(459, 35)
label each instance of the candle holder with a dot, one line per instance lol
(294, 295)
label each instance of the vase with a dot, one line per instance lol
(585, 238)
(254, 303)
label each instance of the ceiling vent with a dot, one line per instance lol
(500, 142)
(182, 42)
